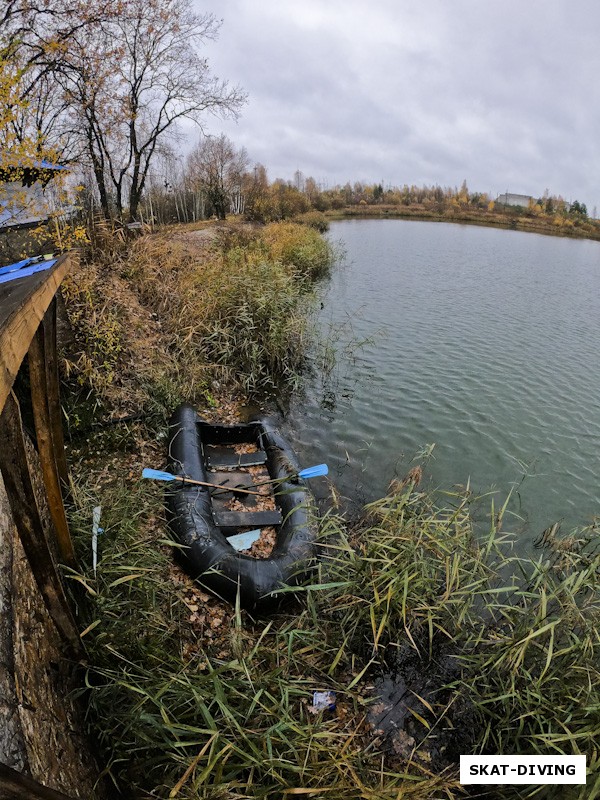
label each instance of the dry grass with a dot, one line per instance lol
(181, 314)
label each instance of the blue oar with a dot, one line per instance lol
(159, 475)
(309, 472)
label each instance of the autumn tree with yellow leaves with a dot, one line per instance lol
(34, 38)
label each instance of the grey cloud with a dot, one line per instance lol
(504, 95)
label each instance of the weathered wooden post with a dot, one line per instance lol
(28, 326)
(16, 786)
(45, 400)
(26, 514)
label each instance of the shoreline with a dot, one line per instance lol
(521, 223)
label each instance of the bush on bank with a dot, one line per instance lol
(177, 312)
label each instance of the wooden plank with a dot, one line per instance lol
(222, 459)
(16, 786)
(54, 409)
(231, 478)
(236, 478)
(26, 514)
(254, 519)
(40, 401)
(15, 294)
(23, 303)
(214, 434)
(12, 742)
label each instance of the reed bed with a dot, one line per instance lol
(499, 654)
(179, 315)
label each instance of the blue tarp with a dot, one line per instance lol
(41, 164)
(17, 265)
(25, 268)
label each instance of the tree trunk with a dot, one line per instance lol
(99, 176)
(134, 203)
(119, 199)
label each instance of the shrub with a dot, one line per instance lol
(166, 311)
(314, 219)
(299, 247)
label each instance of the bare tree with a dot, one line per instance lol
(219, 168)
(131, 79)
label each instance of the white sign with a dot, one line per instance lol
(522, 769)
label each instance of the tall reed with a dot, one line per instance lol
(499, 655)
(230, 309)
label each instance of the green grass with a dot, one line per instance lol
(407, 592)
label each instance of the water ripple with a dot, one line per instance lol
(483, 341)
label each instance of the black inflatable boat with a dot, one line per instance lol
(200, 521)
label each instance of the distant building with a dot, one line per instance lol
(523, 200)
(508, 199)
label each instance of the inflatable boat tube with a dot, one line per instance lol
(209, 557)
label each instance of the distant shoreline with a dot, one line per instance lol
(588, 229)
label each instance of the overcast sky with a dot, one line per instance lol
(503, 94)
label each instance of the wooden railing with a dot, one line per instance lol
(28, 330)
(15, 786)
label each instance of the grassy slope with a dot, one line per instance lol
(191, 698)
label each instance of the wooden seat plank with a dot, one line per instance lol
(222, 459)
(242, 519)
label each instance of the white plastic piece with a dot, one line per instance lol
(244, 541)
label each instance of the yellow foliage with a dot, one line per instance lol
(67, 237)
(169, 317)
(298, 246)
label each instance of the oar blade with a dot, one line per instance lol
(314, 472)
(158, 475)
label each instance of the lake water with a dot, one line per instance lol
(482, 341)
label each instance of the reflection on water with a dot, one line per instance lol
(483, 341)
